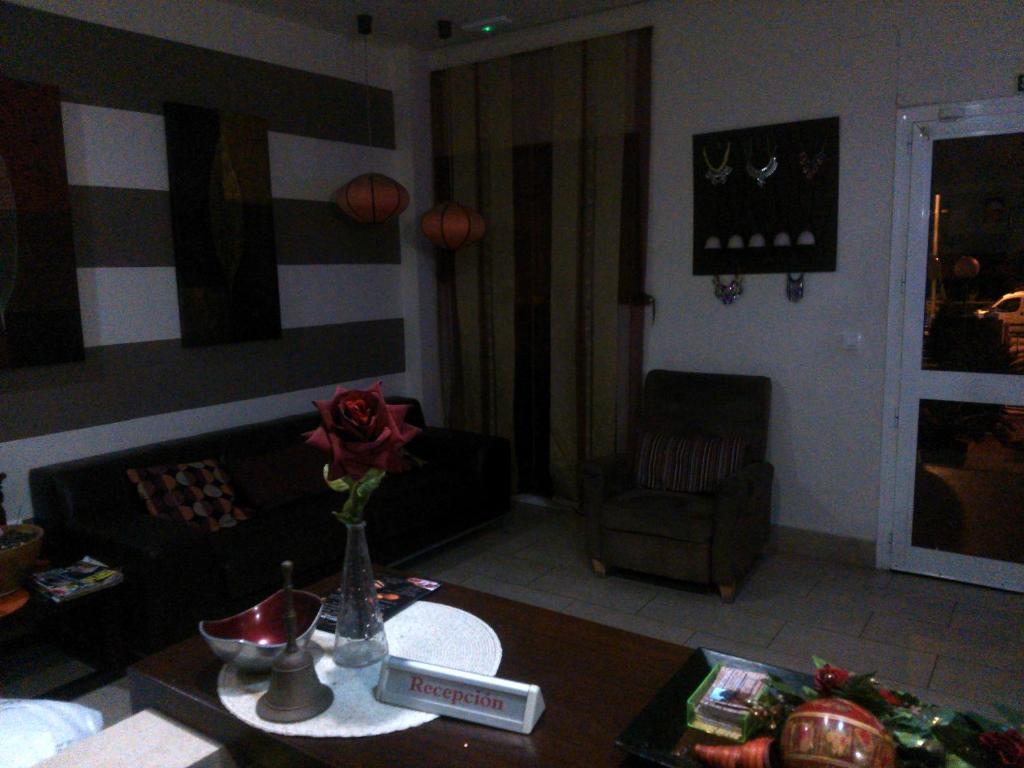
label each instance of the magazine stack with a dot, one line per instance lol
(82, 578)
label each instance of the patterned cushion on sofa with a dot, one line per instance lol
(198, 493)
(687, 464)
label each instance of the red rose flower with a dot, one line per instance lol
(889, 696)
(1008, 746)
(360, 431)
(828, 679)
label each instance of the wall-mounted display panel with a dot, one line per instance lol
(766, 199)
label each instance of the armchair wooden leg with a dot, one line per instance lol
(728, 592)
(599, 567)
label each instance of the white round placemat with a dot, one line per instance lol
(430, 632)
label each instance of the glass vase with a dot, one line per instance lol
(359, 638)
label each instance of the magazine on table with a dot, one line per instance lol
(394, 594)
(81, 578)
(722, 704)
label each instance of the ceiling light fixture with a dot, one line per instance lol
(371, 198)
(487, 25)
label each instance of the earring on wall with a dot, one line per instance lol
(727, 293)
(795, 287)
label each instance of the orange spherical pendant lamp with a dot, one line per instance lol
(966, 267)
(452, 225)
(372, 198)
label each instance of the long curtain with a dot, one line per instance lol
(541, 322)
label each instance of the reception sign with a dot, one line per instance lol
(480, 699)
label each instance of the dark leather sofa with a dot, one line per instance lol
(176, 575)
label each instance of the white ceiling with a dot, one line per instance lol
(414, 22)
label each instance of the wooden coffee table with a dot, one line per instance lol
(595, 679)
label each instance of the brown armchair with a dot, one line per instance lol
(712, 537)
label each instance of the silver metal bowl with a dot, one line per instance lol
(254, 638)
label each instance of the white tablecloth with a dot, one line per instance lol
(430, 632)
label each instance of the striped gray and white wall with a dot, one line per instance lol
(354, 302)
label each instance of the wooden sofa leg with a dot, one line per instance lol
(728, 592)
(599, 567)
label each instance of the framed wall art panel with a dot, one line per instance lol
(222, 222)
(40, 318)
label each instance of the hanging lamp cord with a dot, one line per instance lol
(444, 31)
(365, 22)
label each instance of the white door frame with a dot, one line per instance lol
(902, 219)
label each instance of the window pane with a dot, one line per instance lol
(976, 256)
(969, 487)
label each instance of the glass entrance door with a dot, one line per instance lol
(960, 455)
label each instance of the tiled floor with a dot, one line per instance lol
(949, 643)
(36, 671)
(31, 671)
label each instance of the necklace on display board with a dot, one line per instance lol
(810, 166)
(760, 174)
(717, 174)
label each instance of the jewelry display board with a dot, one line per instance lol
(766, 199)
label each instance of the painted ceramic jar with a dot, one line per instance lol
(835, 733)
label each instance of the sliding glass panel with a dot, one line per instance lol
(974, 307)
(969, 485)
